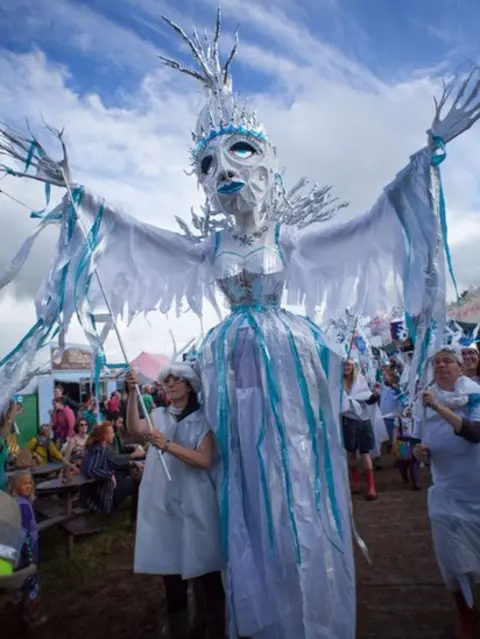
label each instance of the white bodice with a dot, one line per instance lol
(250, 272)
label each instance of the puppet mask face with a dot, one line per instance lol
(237, 173)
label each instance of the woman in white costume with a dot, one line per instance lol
(447, 420)
(178, 533)
(358, 431)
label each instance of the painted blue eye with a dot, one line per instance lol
(243, 150)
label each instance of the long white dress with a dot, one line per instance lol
(177, 528)
(454, 498)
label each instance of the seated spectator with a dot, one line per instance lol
(43, 449)
(74, 449)
(114, 473)
(119, 446)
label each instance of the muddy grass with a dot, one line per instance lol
(94, 594)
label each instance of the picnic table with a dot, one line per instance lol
(62, 512)
(39, 471)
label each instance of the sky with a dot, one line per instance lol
(344, 88)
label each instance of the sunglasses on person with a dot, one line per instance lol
(172, 379)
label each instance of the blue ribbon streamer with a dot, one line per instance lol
(40, 213)
(438, 156)
(410, 324)
(31, 152)
(274, 403)
(223, 434)
(309, 414)
(324, 356)
(264, 482)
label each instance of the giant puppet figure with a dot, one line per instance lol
(271, 383)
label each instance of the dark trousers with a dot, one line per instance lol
(409, 470)
(176, 590)
(126, 487)
(209, 602)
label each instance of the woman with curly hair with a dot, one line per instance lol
(113, 472)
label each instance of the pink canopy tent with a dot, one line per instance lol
(149, 364)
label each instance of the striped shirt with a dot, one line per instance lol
(99, 463)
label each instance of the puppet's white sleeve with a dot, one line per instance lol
(374, 260)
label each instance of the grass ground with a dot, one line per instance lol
(94, 594)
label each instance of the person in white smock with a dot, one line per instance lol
(358, 433)
(447, 421)
(178, 533)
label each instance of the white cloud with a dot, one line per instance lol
(331, 120)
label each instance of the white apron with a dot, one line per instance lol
(177, 527)
(454, 498)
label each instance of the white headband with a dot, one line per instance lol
(452, 350)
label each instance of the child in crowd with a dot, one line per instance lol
(390, 401)
(402, 450)
(23, 490)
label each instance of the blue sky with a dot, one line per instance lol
(344, 88)
(392, 39)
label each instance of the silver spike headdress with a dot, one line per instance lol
(222, 113)
(225, 114)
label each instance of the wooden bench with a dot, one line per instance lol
(62, 511)
(60, 519)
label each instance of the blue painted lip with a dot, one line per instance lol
(231, 187)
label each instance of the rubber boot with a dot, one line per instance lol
(465, 620)
(178, 625)
(355, 480)
(371, 491)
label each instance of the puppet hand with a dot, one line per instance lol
(464, 111)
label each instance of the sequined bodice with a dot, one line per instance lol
(250, 273)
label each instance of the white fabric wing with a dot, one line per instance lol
(350, 265)
(141, 268)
